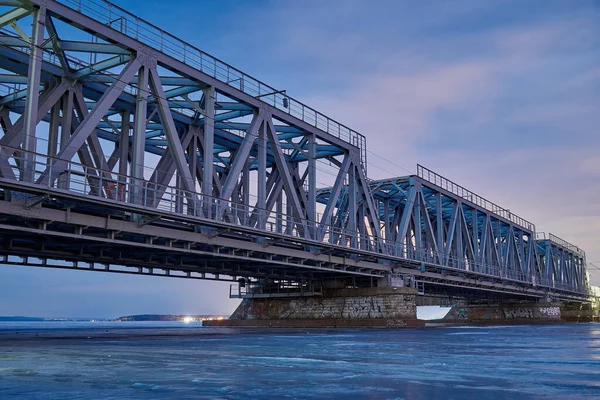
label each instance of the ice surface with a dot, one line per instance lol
(535, 362)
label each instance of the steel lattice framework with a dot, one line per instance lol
(126, 149)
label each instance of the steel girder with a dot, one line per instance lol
(431, 220)
(561, 264)
(133, 116)
(113, 94)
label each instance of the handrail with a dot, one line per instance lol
(447, 184)
(133, 26)
(560, 242)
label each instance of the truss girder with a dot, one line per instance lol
(132, 125)
(427, 224)
(561, 264)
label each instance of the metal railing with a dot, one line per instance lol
(444, 183)
(81, 180)
(131, 25)
(243, 290)
(560, 242)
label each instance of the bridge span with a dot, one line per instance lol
(125, 149)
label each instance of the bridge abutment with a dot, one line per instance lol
(504, 313)
(348, 307)
(578, 312)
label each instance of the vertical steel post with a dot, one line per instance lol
(139, 137)
(312, 184)
(246, 192)
(209, 134)
(459, 235)
(440, 225)
(352, 206)
(33, 93)
(475, 234)
(123, 154)
(53, 132)
(387, 220)
(192, 151)
(262, 175)
(66, 127)
(419, 242)
(289, 218)
(279, 212)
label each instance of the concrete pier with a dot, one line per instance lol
(505, 313)
(364, 307)
(578, 312)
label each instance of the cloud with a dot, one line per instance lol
(509, 112)
(590, 165)
(499, 96)
(401, 106)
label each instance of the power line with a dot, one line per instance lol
(389, 162)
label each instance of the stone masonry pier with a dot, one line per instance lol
(364, 307)
(505, 313)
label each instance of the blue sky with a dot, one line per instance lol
(502, 97)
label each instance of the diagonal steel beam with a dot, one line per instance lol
(428, 226)
(240, 160)
(175, 146)
(408, 211)
(88, 125)
(13, 15)
(163, 172)
(93, 142)
(5, 121)
(13, 138)
(114, 157)
(286, 176)
(274, 180)
(56, 46)
(84, 154)
(333, 198)
(368, 202)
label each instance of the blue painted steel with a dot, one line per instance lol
(422, 224)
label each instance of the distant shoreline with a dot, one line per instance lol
(19, 318)
(168, 317)
(127, 318)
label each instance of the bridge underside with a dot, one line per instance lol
(105, 238)
(124, 149)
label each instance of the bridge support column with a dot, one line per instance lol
(504, 313)
(578, 312)
(363, 307)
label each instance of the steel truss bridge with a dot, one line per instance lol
(125, 149)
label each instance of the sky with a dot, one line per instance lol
(502, 97)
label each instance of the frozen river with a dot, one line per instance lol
(111, 361)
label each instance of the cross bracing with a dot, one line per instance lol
(427, 218)
(104, 114)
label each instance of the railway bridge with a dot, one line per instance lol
(125, 149)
